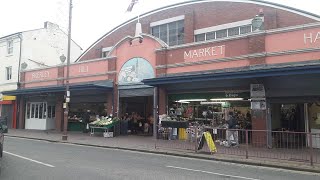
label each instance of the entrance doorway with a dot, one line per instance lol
(7, 111)
(288, 117)
(137, 112)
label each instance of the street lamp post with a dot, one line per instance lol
(67, 93)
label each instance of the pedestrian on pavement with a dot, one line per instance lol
(232, 133)
(85, 121)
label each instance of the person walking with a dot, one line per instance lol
(85, 121)
(232, 133)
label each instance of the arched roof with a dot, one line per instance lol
(258, 2)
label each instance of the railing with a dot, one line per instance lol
(273, 145)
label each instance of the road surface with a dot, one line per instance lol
(31, 160)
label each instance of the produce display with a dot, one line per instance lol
(103, 121)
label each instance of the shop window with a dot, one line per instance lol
(32, 110)
(44, 110)
(53, 114)
(28, 111)
(36, 115)
(49, 112)
(200, 37)
(171, 33)
(41, 111)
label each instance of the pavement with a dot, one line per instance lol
(28, 159)
(149, 145)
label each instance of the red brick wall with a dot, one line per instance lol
(204, 15)
(162, 100)
(256, 44)
(112, 64)
(60, 75)
(59, 112)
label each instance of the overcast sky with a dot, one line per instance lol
(91, 18)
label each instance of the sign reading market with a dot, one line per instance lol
(206, 53)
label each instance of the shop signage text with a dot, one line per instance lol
(310, 38)
(232, 95)
(83, 69)
(40, 75)
(205, 53)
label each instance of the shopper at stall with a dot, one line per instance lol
(232, 133)
(150, 122)
(86, 119)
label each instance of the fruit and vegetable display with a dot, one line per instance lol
(104, 121)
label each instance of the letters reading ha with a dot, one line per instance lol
(40, 75)
(310, 38)
(207, 53)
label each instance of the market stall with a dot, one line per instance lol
(204, 112)
(104, 125)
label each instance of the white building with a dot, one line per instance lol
(26, 50)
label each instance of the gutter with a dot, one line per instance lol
(19, 68)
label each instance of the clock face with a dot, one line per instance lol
(135, 70)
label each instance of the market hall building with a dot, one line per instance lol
(199, 56)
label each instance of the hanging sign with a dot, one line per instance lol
(257, 91)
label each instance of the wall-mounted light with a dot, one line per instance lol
(191, 100)
(257, 23)
(24, 66)
(227, 99)
(63, 58)
(207, 103)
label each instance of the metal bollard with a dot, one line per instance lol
(311, 149)
(196, 139)
(247, 144)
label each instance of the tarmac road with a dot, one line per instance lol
(31, 160)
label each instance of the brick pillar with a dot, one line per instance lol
(22, 80)
(259, 122)
(113, 96)
(257, 45)
(110, 107)
(21, 118)
(161, 60)
(60, 75)
(270, 20)
(149, 108)
(189, 28)
(59, 112)
(162, 101)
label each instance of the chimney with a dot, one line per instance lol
(50, 25)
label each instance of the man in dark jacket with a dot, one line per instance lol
(232, 133)
(85, 121)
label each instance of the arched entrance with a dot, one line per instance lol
(135, 98)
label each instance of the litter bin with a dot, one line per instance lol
(4, 121)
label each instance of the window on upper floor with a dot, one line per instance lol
(105, 51)
(8, 73)
(10, 46)
(171, 33)
(224, 30)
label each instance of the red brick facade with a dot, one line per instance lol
(202, 15)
